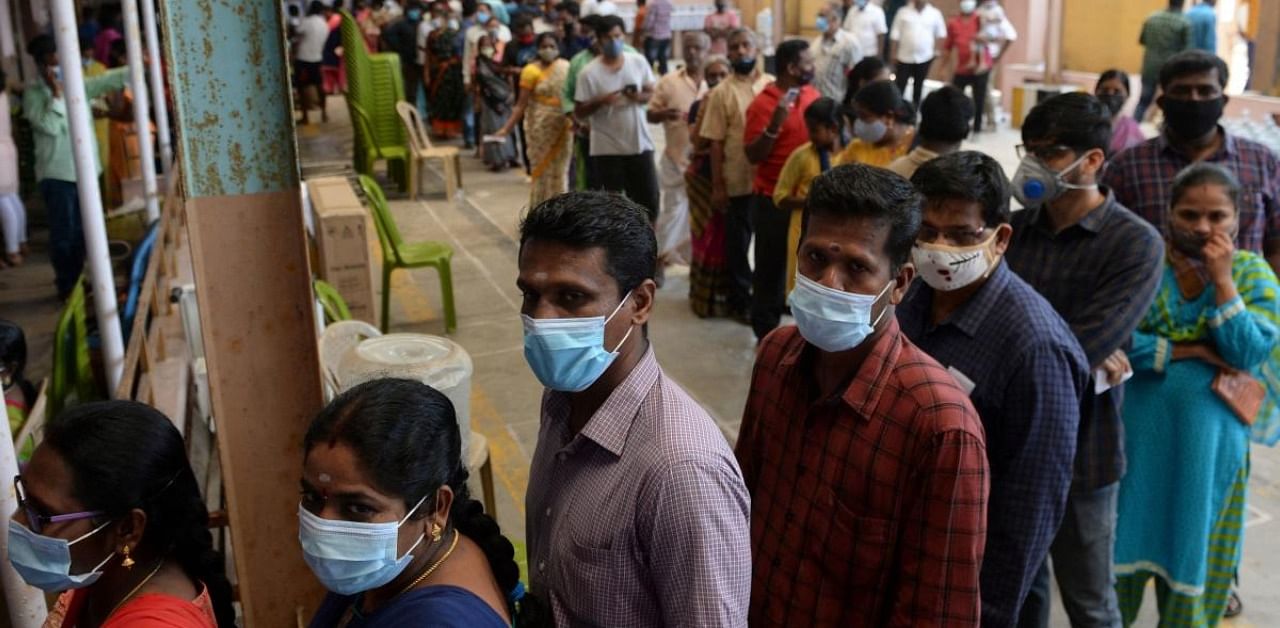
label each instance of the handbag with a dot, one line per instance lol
(1242, 392)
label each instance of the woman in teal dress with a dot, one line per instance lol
(1181, 509)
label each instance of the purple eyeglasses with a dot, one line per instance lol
(37, 521)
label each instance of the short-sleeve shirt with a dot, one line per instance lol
(1142, 178)
(832, 61)
(657, 22)
(917, 32)
(791, 135)
(972, 56)
(866, 24)
(312, 34)
(725, 121)
(616, 129)
(677, 91)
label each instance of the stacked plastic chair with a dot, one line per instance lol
(374, 86)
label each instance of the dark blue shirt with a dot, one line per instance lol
(1101, 275)
(440, 606)
(1028, 377)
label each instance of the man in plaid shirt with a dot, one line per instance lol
(865, 460)
(1142, 176)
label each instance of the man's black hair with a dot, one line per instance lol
(521, 20)
(570, 7)
(883, 98)
(586, 220)
(858, 190)
(967, 176)
(1193, 62)
(1077, 120)
(946, 115)
(788, 52)
(606, 23)
(40, 47)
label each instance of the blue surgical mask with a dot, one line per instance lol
(822, 23)
(870, 132)
(483, 18)
(833, 320)
(568, 354)
(44, 562)
(612, 48)
(349, 557)
(57, 73)
(414, 15)
(1035, 184)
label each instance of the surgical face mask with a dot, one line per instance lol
(1191, 119)
(548, 54)
(482, 18)
(1035, 184)
(870, 132)
(947, 268)
(57, 73)
(833, 320)
(612, 48)
(414, 15)
(968, 6)
(862, 4)
(487, 51)
(526, 39)
(744, 66)
(568, 354)
(44, 562)
(822, 24)
(350, 556)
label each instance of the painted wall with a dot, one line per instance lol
(1102, 34)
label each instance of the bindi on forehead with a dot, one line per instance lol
(325, 478)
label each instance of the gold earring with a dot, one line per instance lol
(127, 563)
(436, 533)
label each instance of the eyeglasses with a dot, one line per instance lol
(37, 521)
(958, 237)
(1043, 153)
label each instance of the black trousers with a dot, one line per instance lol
(917, 73)
(636, 176)
(737, 239)
(978, 83)
(769, 278)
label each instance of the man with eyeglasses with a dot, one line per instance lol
(1098, 264)
(1010, 351)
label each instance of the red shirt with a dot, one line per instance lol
(791, 136)
(868, 508)
(962, 35)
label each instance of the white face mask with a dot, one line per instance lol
(946, 268)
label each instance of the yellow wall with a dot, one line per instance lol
(1101, 34)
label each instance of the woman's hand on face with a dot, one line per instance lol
(1218, 252)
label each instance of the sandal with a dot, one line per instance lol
(1234, 605)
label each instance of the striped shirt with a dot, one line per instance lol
(1142, 178)
(1101, 275)
(640, 519)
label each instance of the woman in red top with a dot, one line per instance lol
(109, 513)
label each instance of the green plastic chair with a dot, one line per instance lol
(374, 85)
(71, 378)
(369, 150)
(334, 306)
(398, 254)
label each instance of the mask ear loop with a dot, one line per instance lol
(1073, 186)
(630, 328)
(406, 518)
(82, 537)
(885, 308)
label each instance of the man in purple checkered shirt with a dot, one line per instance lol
(1142, 176)
(637, 514)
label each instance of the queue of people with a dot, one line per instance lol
(971, 400)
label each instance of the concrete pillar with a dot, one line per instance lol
(227, 72)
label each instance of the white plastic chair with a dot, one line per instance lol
(421, 151)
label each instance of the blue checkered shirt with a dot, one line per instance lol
(1101, 275)
(1029, 378)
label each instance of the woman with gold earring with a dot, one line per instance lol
(110, 515)
(386, 522)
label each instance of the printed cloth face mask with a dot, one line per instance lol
(833, 320)
(568, 354)
(352, 556)
(44, 562)
(947, 268)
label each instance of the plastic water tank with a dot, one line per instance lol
(437, 362)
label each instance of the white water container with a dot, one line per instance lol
(437, 362)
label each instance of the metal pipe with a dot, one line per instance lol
(141, 113)
(25, 602)
(92, 219)
(159, 104)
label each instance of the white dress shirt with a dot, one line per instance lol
(866, 24)
(917, 32)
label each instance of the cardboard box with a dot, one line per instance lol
(344, 234)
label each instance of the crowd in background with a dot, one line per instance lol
(1068, 391)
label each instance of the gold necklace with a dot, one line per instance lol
(135, 589)
(433, 567)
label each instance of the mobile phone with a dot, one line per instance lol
(792, 95)
(631, 89)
